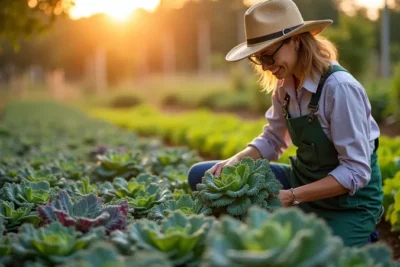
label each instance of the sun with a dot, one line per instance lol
(117, 9)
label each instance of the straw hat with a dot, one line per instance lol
(269, 22)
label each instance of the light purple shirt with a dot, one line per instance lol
(345, 116)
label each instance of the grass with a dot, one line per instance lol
(155, 89)
(188, 91)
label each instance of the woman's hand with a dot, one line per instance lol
(286, 198)
(249, 151)
(217, 168)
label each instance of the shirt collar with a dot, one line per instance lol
(309, 83)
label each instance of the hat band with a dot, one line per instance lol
(272, 35)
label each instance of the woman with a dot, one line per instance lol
(323, 111)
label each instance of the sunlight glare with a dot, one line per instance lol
(373, 6)
(116, 9)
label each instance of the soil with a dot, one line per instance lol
(392, 239)
(391, 130)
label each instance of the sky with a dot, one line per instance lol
(371, 3)
(121, 9)
(116, 9)
(373, 6)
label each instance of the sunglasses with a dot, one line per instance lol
(267, 59)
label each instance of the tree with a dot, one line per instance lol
(355, 40)
(24, 18)
(320, 9)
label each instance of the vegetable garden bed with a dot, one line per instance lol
(75, 191)
(197, 130)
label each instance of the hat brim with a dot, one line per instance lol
(243, 50)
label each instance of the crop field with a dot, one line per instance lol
(95, 188)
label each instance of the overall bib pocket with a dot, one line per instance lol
(307, 153)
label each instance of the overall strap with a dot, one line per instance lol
(313, 105)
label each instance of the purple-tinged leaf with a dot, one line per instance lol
(46, 214)
(88, 206)
(85, 214)
(63, 202)
(117, 216)
(85, 224)
(64, 218)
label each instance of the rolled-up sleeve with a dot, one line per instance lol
(275, 138)
(350, 130)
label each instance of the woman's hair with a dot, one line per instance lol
(315, 54)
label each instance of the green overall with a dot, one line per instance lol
(353, 218)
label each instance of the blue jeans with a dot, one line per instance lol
(281, 172)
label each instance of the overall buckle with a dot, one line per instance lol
(313, 109)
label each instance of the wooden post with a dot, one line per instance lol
(204, 47)
(141, 63)
(169, 55)
(385, 43)
(89, 73)
(100, 70)
(55, 83)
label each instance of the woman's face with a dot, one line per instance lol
(285, 58)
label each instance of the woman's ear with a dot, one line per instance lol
(296, 42)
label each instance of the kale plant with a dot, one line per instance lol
(181, 238)
(375, 255)
(248, 182)
(13, 217)
(113, 164)
(105, 254)
(28, 192)
(287, 237)
(141, 193)
(51, 175)
(52, 244)
(85, 214)
(185, 204)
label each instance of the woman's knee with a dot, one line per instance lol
(281, 172)
(197, 171)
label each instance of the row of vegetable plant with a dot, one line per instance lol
(216, 136)
(391, 201)
(221, 136)
(77, 191)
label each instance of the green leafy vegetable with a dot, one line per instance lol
(104, 254)
(5, 244)
(286, 238)
(185, 204)
(52, 244)
(13, 217)
(28, 192)
(115, 164)
(180, 237)
(51, 175)
(376, 255)
(248, 182)
(141, 193)
(172, 158)
(81, 187)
